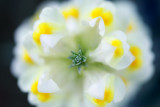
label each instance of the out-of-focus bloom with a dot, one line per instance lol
(82, 54)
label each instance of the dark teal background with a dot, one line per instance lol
(13, 12)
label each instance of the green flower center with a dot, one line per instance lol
(78, 59)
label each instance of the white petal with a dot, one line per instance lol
(18, 67)
(97, 90)
(92, 23)
(72, 25)
(108, 5)
(37, 59)
(49, 41)
(52, 15)
(89, 38)
(22, 30)
(145, 73)
(124, 62)
(101, 25)
(32, 99)
(27, 79)
(103, 53)
(47, 85)
(127, 58)
(28, 42)
(120, 90)
(119, 35)
(32, 48)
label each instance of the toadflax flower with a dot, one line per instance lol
(80, 54)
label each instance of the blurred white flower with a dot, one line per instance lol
(114, 51)
(82, 54)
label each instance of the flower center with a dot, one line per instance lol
(78, 59)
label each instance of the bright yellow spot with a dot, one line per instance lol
(109, 95)
(26, 57)
(119, 52)
(34, 88)
(72, 12)
(119, 48)
(97, 12)
(117, 43)
(43, 28)
(108, 98)
(130, 27)
(137, 53)
(136, 64)
(107, 16)
(43, 97)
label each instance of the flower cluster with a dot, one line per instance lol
(82, 53)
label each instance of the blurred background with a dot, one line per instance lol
(13, 12)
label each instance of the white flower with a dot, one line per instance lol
(114, 51)
(141, 69)
(105, 89)
(79, 54)
(140, 43)
(23, 58)
(92, 12)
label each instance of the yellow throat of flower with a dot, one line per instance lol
(119, 48)
(71, 12)
(137, 63)
(43, 28)
(26, 57)
(43, 97)
(108, 98)
(107, 16)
